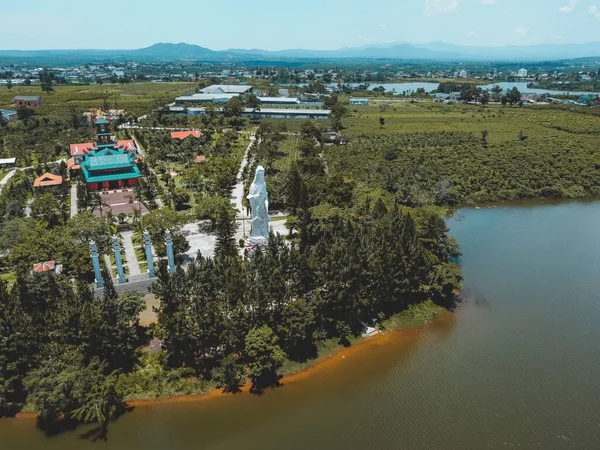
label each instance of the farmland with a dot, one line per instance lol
(472, 153)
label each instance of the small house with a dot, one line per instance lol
(181, 135)
(356, 101)
(32, 101)
(8, 162)
(47, 180)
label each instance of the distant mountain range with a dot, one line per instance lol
(436, 51)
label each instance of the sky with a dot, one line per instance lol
(278, 24)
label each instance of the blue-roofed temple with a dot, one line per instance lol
(106, 163)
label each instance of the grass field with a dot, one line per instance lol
(134, 98)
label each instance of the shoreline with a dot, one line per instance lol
(321, 364)
(318, 365)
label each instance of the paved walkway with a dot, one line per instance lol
(237, 195)
(73, 200)
(132, 262)
(7, 177)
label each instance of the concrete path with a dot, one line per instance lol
(237, 194)
(7, 177)
(73, 200)
(132, 262)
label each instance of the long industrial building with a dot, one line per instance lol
(271, 113)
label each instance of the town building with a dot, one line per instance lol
(226, 89)
(205, 98)
(271, 113)
(522, 73)
(106, 163)
(32, 101)
(8, 162)
(357, 101)
(8, 115)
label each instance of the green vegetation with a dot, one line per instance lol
(455, 154)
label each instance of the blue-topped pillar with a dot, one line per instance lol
(96, 261)
(117, 250)
(170, 255)
(148, 247)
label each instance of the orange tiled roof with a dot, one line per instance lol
(183, 134)
(128, 144)
(48, 179)
(200, 159)
(71, 164)
(81, 149)
(44, 266)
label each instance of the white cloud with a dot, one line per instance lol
(570, 7)
(383, 26)
(440, 6)
(595, 12)
(472, 33)
(488, 2)
(559, 38)
(522, 31)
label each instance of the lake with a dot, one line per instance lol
(515, 366)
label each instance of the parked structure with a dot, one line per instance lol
(32, 101)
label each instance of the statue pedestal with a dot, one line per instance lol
(256, 244)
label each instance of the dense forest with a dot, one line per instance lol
(221, 320)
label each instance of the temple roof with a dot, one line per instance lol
(81, 149)
(84, 148)
(108, 162)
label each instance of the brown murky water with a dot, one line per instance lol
(516, 366)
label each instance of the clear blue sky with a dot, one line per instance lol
(278, 24)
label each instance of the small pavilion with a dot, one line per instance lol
(106, 163)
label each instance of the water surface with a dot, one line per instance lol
(516, 366)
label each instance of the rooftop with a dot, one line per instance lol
(27, 98)
(183, 134)
(48, 179)
(108, 162)
(226, 88)
(81, 149)
(44, 266)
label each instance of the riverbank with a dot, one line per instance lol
(330, 354)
